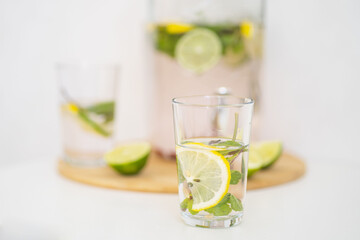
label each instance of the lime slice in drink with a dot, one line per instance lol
(268, 151)
(198, 50)
(255, 162)
(207, 174)
(129, 159)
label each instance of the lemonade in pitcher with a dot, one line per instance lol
(203, 47)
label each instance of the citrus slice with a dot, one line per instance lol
(268, 151)
(174, 28)
(129, 159)
(198, 50)
(255, 162)
(247, 29)
(203, 146)
(207, 174)
(85, 121)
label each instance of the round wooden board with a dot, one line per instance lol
(159, 175)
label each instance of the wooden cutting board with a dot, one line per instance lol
(159, 175)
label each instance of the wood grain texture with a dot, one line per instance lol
(159, 175)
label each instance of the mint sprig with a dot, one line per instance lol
(83, 114)
(219, 210)
(235, 203)
(189, 207)
(105, 109)
(231, 154)
(235, 177)
(236, 126)
(228, 203)
(184, 204)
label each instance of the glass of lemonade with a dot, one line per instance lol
(212, 141)
(202, 48)
(87, 111)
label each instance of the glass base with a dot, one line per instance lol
(214, 222)
(95, 162)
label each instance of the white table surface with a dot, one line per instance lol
(37, 203)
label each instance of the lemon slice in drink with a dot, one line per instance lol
(198, 50)
(269, 152)
(129, 159)
(203, 146)
(88, 124)
(207, 174)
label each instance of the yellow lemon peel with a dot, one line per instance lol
(175, 28)
(247, 29)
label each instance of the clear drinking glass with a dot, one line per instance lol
(212, 141)
(87, 106)
(203, 47)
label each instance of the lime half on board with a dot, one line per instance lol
(263, 155)
(255, 162)
(269, 152)
(129, 159)
(198, 50)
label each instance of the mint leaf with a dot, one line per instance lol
(105, 109)
(235, 203)
(219, 210)
(238, 146)
(166, 42)
(184, 204)
(235, 177)
(212, 142)
(228, 144)
(231, 154)
(222, 208)
(102, 108)
(84, 116)
(224, 200)
(189, 207)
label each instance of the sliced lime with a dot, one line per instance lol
(198, 50)
(85, 120)
(129, 159)
(268, 151)
(255, 162)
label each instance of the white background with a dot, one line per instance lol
(311, 73)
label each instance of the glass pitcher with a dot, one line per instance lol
(203, 47)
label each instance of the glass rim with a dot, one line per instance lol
(245, 101)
